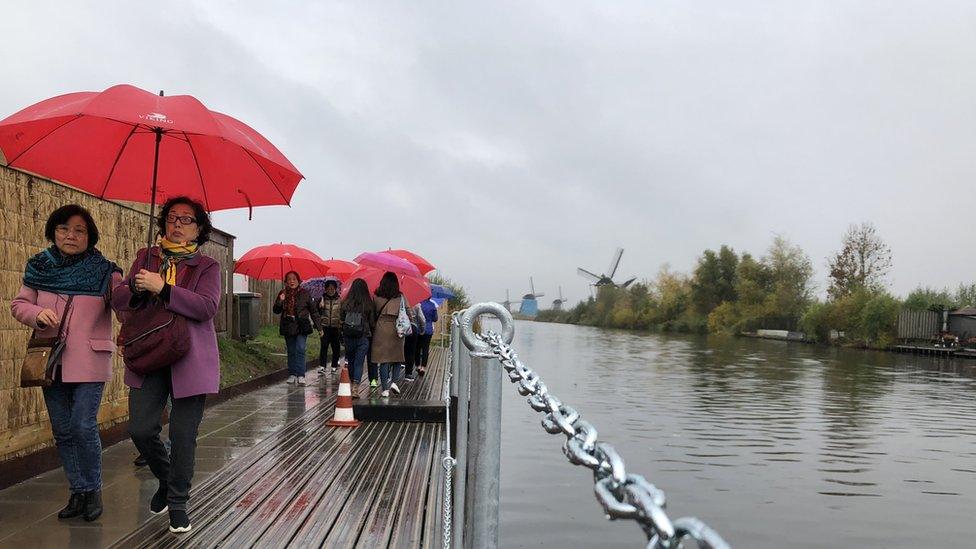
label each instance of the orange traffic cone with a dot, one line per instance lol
(343, 410)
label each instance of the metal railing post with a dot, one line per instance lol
(484, 433)
(480, 501)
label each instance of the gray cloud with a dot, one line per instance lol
(517, 139)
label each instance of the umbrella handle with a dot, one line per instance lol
(152, 200)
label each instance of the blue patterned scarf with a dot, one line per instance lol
(87, 273)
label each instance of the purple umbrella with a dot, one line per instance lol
(316, 286)
(387, 262)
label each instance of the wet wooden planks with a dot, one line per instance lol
(309, 485)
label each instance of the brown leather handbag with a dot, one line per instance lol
(43, 355)
(153, 337)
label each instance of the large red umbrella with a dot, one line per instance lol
(340, 269)
(126, 143)
(271, 262)
(422, 264)
(387, 262)
(414, 288)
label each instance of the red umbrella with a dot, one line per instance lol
(130, 144)
(415, 289)
(387, 262)
(422, 264)
(340, 269)
(271, 262)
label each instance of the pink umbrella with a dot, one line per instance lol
(415, 289)
(422, 264)
(387, 262)
(271, 262)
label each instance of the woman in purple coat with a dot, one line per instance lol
(188, 283)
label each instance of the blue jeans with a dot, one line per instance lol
(73, 409)
(356, 348)
(296, 354)
(390, 372)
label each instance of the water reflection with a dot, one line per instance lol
(766, 441)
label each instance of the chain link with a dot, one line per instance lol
(448, 461)
(623, 495)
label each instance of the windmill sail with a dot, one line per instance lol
(587, 274)
(615, 262)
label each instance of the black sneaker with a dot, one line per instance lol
(157, 505)
(179, 521)
(140, 461)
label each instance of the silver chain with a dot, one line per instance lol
(448, 461)
(622, 494)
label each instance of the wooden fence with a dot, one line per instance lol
(918, 324)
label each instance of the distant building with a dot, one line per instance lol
(962, 323)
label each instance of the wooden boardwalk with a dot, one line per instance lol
(310, 485)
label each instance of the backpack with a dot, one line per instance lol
(354, 324)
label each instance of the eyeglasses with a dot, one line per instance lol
(63, 230)
(183, 219)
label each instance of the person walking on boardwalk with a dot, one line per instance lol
(357, 316)
(187, 283)
(411, 340)
(329, 310)
(299, 318)
(429, 307)
(67, 290)
(387, 348)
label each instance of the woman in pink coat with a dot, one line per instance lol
(74, 269)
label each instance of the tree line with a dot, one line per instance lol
(734, 293)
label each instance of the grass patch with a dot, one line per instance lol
(243, 361)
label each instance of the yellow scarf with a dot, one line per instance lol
(173, 253)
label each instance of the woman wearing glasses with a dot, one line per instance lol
(187, 283)
(70, 283)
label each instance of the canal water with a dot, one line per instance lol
(772, 444)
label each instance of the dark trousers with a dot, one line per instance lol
(330, 340)
(355, 355)
(372, 369)
(73, 410)
(423, 350)
(175, 470)
(410, 353)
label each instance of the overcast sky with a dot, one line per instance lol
(509, 139)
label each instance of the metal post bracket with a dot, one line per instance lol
(471, 340)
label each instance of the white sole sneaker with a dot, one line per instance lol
(181, 529)
(395, 389)
(301, 381)
(291, 380)
(159, 512)
(385, 394)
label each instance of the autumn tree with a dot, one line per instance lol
(862, 262)
(714, 279)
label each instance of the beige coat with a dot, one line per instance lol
(387, 345)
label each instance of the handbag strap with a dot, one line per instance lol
(64, 316)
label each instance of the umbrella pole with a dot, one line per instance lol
(152, 201)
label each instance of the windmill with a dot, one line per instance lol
(607, 278)
(530, 306)
(557, 304)
(508, 302)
